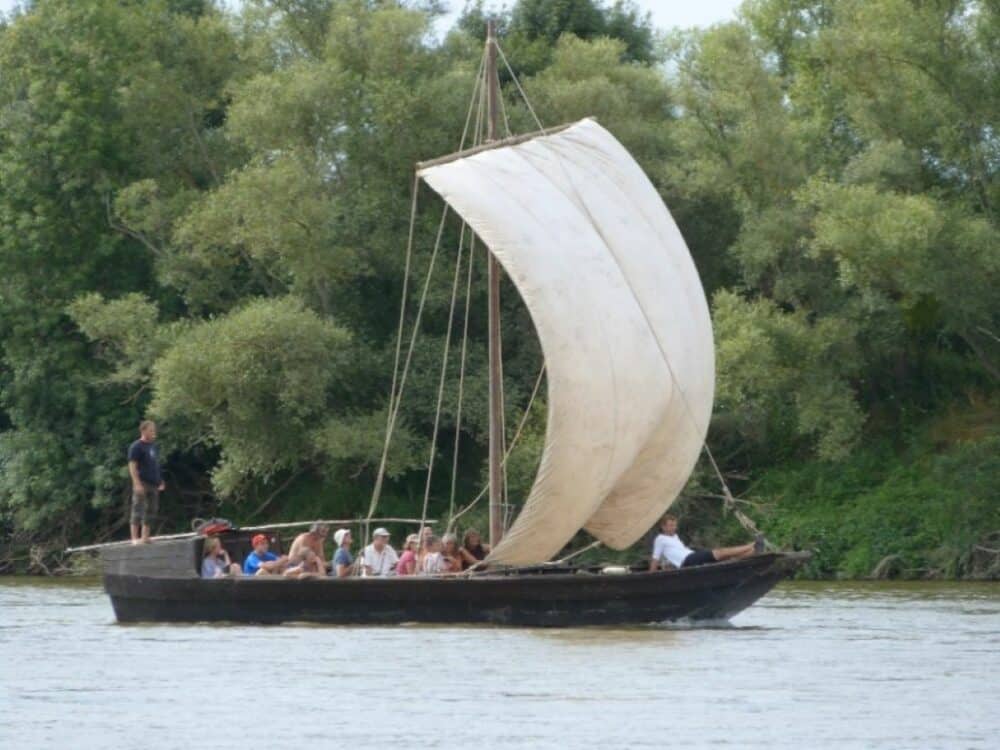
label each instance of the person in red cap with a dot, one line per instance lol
(262, 561)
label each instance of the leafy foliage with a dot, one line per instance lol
(203, 215)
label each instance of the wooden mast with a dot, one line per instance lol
(493, 282)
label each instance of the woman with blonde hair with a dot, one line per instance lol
(407, 564)
(215, 562)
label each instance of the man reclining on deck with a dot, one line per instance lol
(668, 549)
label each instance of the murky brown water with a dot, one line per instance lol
(811, 666)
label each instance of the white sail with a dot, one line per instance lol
(622, 320)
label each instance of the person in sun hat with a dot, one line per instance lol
(379, 558)
(343, 560)
(262, 561)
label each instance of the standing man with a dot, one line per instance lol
(379, 557)
(147, 480)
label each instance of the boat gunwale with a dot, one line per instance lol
(763, 562)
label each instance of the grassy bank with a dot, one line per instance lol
(923, 506)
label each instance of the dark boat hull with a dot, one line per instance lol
(550, 599)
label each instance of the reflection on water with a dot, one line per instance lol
(813, 665)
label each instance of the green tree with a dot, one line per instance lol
(95, 95)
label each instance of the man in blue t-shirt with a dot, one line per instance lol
(147, 480)
(262, 561)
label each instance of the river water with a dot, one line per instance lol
(810, 666)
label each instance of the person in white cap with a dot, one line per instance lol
(379, 558)
(343, 560)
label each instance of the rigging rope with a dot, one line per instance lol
(461, 379)
(520, 90)
(510, 449)
(444, 370)
(395, 398)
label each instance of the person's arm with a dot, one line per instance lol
(654, 562)
(271, 565)
(468, 556)
(363, 564)
(133, 470)
(342, 570)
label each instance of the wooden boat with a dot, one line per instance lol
(575, 224)
(159, 582)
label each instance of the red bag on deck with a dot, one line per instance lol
(211, 526)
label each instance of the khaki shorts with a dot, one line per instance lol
(145, 504)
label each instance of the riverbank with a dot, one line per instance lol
(924, 507)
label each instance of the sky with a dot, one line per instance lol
(666, 13)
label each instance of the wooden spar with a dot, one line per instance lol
(265, 527)
(493, 285)
(514, 140)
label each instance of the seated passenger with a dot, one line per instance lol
(379, 558)
(216, 562)
(668, 548)
(343, 560)
(451, 554)
(262, 561)
(473, 550)
(314, 539)
(306, 564)
(407, 564)
(433, 562)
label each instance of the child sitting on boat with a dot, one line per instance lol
(433, 561)
(305, 564)
(216, 562)
(451, 554)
